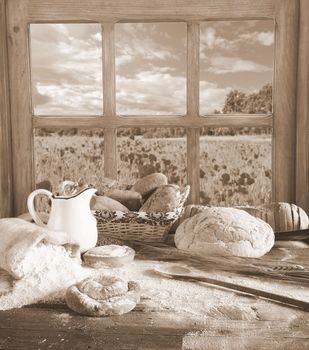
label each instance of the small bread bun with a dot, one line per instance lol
(109, 255)
(149, 183)
(164, 199)
(88, 297)
(106, 203)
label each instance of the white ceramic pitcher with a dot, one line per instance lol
(69, 214)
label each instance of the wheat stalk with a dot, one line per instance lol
(265, 267)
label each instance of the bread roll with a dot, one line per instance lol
(149, 183)
(130, 199)
(164, 199)
(225, 231)
(106, 203)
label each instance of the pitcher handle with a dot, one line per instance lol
(30, 205)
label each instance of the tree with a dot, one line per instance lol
(239, 102)
(234, 102)
(255, 103)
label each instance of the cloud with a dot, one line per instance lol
(210, 40)
(97, 37)
(214, 38)
(123, 59)
(145, 49)
(66, 69)
(223, 65)
(67, 99)
(212, 97)
(263, 38)
(139, 41)
(38, 98)
(152, 92)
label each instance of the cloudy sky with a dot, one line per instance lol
(150, 66)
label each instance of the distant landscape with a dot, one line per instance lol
(235, 164)
(233, 170)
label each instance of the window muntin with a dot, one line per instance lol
(150, 68)
(66, 69)
(236, 66)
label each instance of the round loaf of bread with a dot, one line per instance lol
(109, 255)
(225, 231)
(103, 296)
(165, 198)
(149, 183)
(106, 203)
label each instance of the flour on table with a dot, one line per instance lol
(192, 298)
(55, 271)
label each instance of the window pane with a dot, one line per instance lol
(68, 155)
(66, 69)
(145, 151)
(235, 169)
(151, 68)
(236, 70)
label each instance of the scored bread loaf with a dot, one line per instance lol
(219, 231)
(280, 216)
(165, 199)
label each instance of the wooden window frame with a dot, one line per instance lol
(21, 13)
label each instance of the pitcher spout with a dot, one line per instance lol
(86, 193)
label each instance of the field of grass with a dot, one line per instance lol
(233, 169)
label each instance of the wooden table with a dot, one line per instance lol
(274, 326)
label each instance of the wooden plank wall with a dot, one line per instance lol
(284, 101)
(6, 171)
(302, 135)
(20, 98)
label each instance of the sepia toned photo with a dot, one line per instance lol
(154, 174)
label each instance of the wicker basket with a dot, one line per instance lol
(137, 226)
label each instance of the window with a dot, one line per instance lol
(193, 115)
